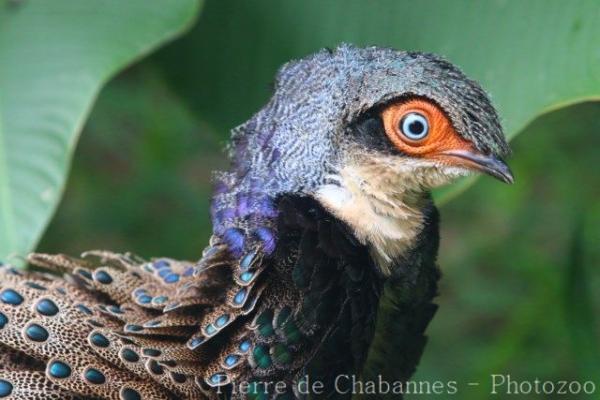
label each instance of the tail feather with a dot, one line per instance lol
(114, 326)
(33, 385)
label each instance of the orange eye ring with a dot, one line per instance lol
(439, 135)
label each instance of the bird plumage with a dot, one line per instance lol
(320, 208)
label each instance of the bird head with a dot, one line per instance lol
(368, 132)
(419, 116)
(413, 140)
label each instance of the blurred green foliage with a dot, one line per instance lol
(520, 262)
(54, 58)
(141, 176)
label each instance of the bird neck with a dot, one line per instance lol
(387, 221)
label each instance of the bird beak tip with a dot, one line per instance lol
(497, 168)
(489, 164)
(506, 178)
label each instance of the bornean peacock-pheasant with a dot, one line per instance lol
(328, 197)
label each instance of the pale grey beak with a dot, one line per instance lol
(489, 164)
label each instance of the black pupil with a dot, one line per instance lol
(416, 127)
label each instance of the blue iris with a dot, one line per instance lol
(414, 126)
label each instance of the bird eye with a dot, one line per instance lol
(414, 126)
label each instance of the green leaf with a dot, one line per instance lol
(532, 56)
(54, 58)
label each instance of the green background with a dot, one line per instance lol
(519, 293)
